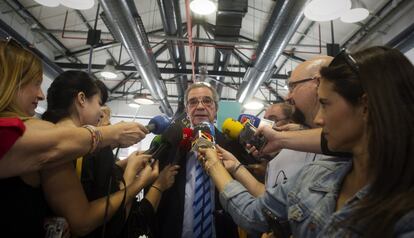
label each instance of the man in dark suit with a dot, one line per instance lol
(175, 211)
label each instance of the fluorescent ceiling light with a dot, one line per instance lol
(48, 3)
(134, 105)
(355, 15)
(143, 100)
(326, 10)
(108, 74)
(254, 105)
(203, 7)
(78, 4)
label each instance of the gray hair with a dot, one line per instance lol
(201, 85)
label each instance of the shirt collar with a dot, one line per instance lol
(331, 181)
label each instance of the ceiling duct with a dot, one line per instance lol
(171, 20)
(285, 19)
(123, 21)
(229, 18)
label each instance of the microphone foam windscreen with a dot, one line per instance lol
(160, 123)
(232, 128)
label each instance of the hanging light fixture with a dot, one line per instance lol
(358, 12)
(78, 4)
(48, 3)
(109, 70)
(326, 10)
(253, 105)
(142, 99)
(203, 7)
(134, 105)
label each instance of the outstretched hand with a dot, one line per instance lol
(167, 177)
(148, 175)
(229, 161)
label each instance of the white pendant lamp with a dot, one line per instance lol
(355, 15)
(326, 10)
(78, 4)
(109, 70)
(203, 7)
(48, 3)
(358, 12)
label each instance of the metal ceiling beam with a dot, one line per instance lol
(31, 20)
(171, 20)
(49, 68)
(60, 31)
(98, 47)
(298, 41)
(206, 41)
(128, 28)
(285, 19)
(122, 82)
(164, 70)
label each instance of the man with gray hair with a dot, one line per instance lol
(179, 214)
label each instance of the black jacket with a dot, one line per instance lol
(171, 208)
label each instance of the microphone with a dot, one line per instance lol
(158, 124)
(255, 121)
(203, 136)
(184, 146)
(244, 133)
(155, 143)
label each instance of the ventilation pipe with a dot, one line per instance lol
(285, 19)
(126, 28)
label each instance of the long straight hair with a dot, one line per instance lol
(386, 76)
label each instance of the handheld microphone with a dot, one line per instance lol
(255, 121)
(158, 124)
(155, 143)
(184, 146)
(244, 133)
(203, 136)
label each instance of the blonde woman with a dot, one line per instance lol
(43, 144)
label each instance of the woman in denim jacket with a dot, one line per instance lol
(367, 108)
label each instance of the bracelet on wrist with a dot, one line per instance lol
(156, 188)
(237, 168)
(95, 139)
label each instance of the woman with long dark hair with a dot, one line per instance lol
(367, 108)
(74, 100)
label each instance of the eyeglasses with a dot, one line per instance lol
(292, 85)
(275, 119)
(206, 101)
(344, 55)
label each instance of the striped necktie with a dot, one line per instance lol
(203, 216)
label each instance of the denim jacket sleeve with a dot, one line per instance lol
(306, 201)
(246, 209)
